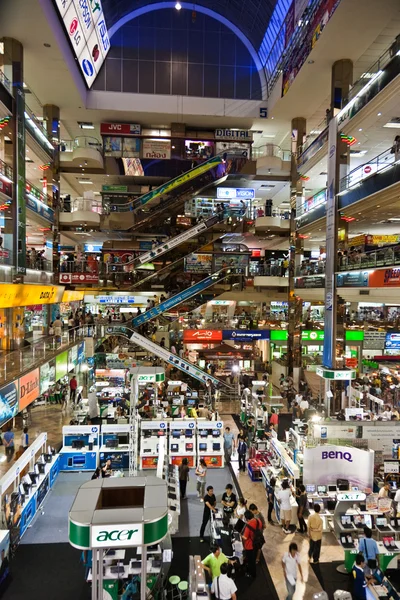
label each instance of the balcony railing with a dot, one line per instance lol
(355, 261)
(36, 194)
(384, 161)
(312, 203)
(5, 81)
(79, 266)
(5, 170)
(271, 150)
(82, 141)
(84, 204)
(37, 130)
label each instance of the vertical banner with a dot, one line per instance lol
(20, 226)
(331, 232)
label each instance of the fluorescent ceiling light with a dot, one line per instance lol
(269, 136)
(86, 125)
(358, 153)
(85, 182)
(391, 125)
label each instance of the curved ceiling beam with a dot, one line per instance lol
(205, 11)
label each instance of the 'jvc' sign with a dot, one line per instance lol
(116, 536)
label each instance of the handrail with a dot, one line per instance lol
(271, 150)
(387, 256)
(383, 161)
(82, 141)
(5, 81)
(314, 134)
(36, 194)
(6, 170)
(30, 117)
(90, 205)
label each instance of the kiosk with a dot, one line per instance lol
(114, 445)
(80, 448)
(210, 443)
(150, 433)
(25, 486)
(123, 523)
(182, 442)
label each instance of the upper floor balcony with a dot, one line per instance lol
(85, 150)
(86, 210)
(272, 160)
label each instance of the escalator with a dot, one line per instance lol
(163, 353)
(170, 196)
(177, 299)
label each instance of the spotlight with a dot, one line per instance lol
(178, 6)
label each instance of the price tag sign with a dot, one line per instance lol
(391, 467)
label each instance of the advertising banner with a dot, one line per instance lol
(312, 336)
(120, 129)
(39, 208)
(156, 148)
(6, 188)
(81, 353)
(8, 402)
(245, 335)
(195, 336)
(392, 341)
(29, 389)
(127, 147)
(131, 147)
(338, 432)
(323, 465)
(18, 294)
(198, 263)
(233, 193)
(79, 278)
(119, 361)
(353, 279)
(61, 365)
(47, 375)
(289, 24)
(238, 262)
(385, 278)
(72, 358)
(310, 282)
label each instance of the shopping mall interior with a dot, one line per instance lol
(200, 300)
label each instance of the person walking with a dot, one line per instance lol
(242, 451)
(8, 443)
(260, 518)
(57, 327)
(315, 527)
(290, 565)
(360, 582)
(369, 548)
(248, 536)
(201, 474)
(223, 587)
(183, 477)
(229, 444)
(283, 497)
(271, 498)
(24, 442)
(302, 509)
(73, 384)
(228, 501)
(209, 506)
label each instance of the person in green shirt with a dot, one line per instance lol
(212, 563)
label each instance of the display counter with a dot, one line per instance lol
(114, 446)
(80, 448)
(150, 433)
(182, 442)
(210, 443)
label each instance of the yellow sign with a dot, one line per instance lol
(72, 296)
(385, 239)
(20, 294)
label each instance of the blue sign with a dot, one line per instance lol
(81, 353)
(116, 299)
(353, 279)
(39, 208)
(93, 247)
(240, 193)
(175, 300)
(87, 67)
(243, 335)
(8, 402)
(27, 515)
(145, 245)
(54, 471)
(392, 340)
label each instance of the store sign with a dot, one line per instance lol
(392, 340)
(278, 335)
(311, 282)
(354, 336)
(93, 247)
(246, 335)
(233, 193)
(86, 29)
(351, 497)
(39, 208)
(115, 299)
(151, 378)
(156, 148)
(72, 296)
(121, 129)
(201, 335)
(391, 467)
(8, 402)
(116, 536)
(17, 294)
(243, 135)
(353, 279)
(336, 374)
(47, 376)
(312, 336)
(325, 464)
(385, 278)
(79, 278)
(29, 388)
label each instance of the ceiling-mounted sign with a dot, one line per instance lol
(120, 129)
(202, 335)
(234, 134)
(86, 28)
(241, 193)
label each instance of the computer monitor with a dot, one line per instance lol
(203, 432)
(202, 447)
(394, 485)
(21, 489)
(191, 401)
(378, 575)
(188, 433)
(78, 444)
(216, 433)
(112, 443)
(189, 447)
(123, 439)
(36, 469)
(368, 521)
(332, 488)
(345, 519)
(310, 488)
(174, 447)
(161, 433)
(176, 433)
(381, 521)
(216, 447)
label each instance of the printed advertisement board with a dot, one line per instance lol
(195, 336)
(198, 263)
(156, 148)
(29, 388)
(8, 402)
(61, 365)
(324, 465)
(47, 375)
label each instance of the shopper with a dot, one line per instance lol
(290, 565)
(260, 517)
(369, 548)
(271, 498)
(250, 536)
(57, 327)
(283, 497)
(228, 501)
(229, 444)
(223, 587)
(302, 509)
(212, 563)
(209, 506)
(315, 527)
(384, 491)
(241, 508)
(242, 451)
(24, 443)
(273, 420)
(201, 474)
(359, 583)
(8, 443)
(106, 470)
(183, 477)
(73, 384)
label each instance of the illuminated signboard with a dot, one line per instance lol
(86, 28)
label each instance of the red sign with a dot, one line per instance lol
(212, 461)
(6, 188)
(202, 335)
(255, 253)
(149, 462)
(120, 129)
(351, 362)
(79, 278)
(177, 460)
(384, 278)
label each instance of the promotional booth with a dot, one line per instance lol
(210, 442)
(182, 442)
(80, 448)
(114, 445)
(150, 433)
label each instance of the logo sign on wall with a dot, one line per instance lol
(120, 129)
(8, 402)
(245, 336)
(201, 335)
(86, 29)
(79, 278)
(29, 388)
(392, 340)
(242, 193)
(117, 536)
(160, 149)
(234, 134)
(325, 464)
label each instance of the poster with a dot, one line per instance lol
(112, 146)
(81, 353)
(72, 358)
(238, 262)
(149, 462)
(371, 502)
(198, 263)
(8, 402)
(131, 147)
(384, 505)
(324, 465)
(177, 460)
(61, 365)
(29, 388)
(47, 376)
(156, 148)
(132, 167)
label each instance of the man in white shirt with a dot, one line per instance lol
(283, 497)
(304, 406)
(298, 398)
(223, 586)
(290, 564)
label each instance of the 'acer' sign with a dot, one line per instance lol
(202, 335)
(120, 129)
(117, 536)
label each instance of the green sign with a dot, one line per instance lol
(336, 374)
(354, 336)
(20, 225)
(312, 336)
(114, 188)
(278, 335)
(151, 378)
(61, 365)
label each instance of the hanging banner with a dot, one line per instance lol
(195, 336)
(8, 402)
(324, 465)
(47, 375)
(29, 389)
(238, 262)
(18, 294)
(331, 214)
(198, 263)
(289, 24)
(20, 221)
